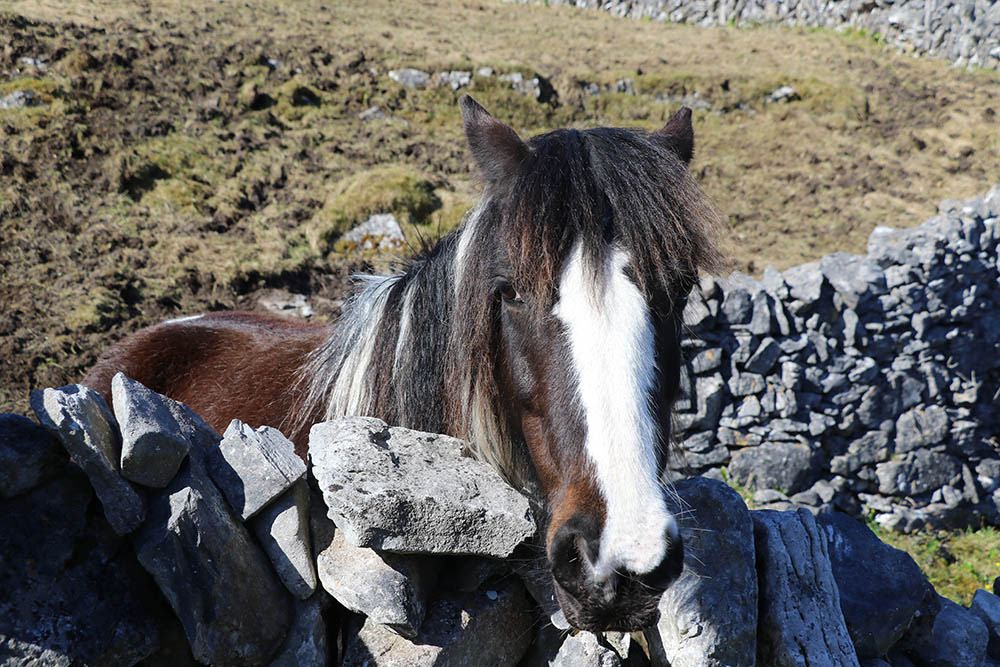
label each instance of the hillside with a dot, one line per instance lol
(183, 156)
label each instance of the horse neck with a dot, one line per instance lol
(387, 354)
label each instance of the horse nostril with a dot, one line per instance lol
(572, 552)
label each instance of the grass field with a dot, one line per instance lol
(189, 154)
(956, 563)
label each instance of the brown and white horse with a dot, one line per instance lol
(545, 332)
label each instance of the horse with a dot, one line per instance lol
(544, 331)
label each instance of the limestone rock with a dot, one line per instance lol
(785, 466)
(708, 617)
(490, 628)
(380, 231)
(282, 529)
(409, 77)
(800, 620)
(958, 638)
(921, 427)
(252, 467)
(920, 472)
(986, 606)
(70, 594)
(390, 589)
(233, 609)
(305, 645)
(585, 649)
(400, 490)
(881, 588)
(82, 421)
(153, 445)
(28, 455)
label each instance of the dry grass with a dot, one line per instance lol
(171, 170)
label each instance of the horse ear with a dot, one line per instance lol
(678, 135)
(496, 147)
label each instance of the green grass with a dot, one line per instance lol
(957, 563)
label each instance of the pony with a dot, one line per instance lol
(544, 331)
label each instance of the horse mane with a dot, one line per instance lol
(419, 349)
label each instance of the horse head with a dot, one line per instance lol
(571, 277)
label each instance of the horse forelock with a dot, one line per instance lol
(606, 188)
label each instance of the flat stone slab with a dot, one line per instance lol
(153, 444)
(282, 529)
(488, 628)
(218, 582)
(395, 489)
(800, 621)
(708, 617)
(82, 421)
(390, 589)
(252, 467)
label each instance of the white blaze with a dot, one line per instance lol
(611, 337)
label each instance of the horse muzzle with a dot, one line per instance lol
(620, 601)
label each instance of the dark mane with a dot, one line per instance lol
(431, 330)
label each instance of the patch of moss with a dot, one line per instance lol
(396, 189)
(45, 88)
(451, 215)
(176, 171)
(97, 309)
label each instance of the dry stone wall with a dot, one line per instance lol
(392, 547)
(869, 384)
(965, 32)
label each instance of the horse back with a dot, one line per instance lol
(224, 366)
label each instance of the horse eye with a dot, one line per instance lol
(508, 293)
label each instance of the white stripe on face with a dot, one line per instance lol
(611, 340)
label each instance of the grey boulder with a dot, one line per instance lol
(153, 445)
(390, 589)
(882, 590)
(28, 455)
(800, 621)
(921, 427)
(921, 471)
(708, 617)
(220, 585)
(252, 467)
(784, 466)
(282, 529)
(409, 77)
(488, 628)
(400, 490)
(82, 421)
